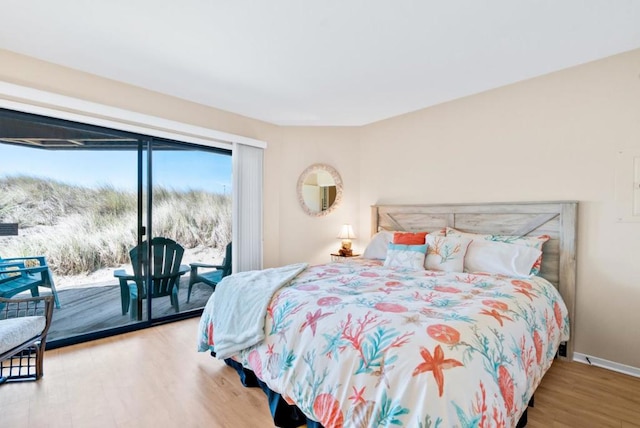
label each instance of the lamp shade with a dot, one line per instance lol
(346, 232)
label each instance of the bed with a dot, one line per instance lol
(373, 343)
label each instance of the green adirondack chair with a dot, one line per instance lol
(211, 278)
(165, 275)
(18, 274)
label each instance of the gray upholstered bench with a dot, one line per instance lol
(24, 324)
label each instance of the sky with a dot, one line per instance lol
(178, 170)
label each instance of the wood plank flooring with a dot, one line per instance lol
(155, 378)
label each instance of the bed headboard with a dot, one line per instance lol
(557, 219)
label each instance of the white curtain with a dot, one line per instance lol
(247, 207)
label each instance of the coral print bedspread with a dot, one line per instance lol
(360, 345)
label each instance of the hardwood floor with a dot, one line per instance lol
(578, 395)
(155, 378)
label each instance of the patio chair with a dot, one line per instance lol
(165, 275)
(24, 324)
(211, 278)
(18, 274)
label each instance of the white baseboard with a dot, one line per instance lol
(606, 364)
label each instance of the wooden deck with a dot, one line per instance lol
(94, 308)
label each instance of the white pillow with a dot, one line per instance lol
(500, 258)
(446, 253)
(377, 248)
(406, 256)
(527, 241)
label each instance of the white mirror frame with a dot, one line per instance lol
(336, 178)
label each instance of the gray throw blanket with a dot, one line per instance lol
(240, 306)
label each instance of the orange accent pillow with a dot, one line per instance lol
(409, 238)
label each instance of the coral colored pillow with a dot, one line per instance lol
(409, 238)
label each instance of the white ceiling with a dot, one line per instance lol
(325, 62)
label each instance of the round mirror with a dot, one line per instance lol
(319, 189)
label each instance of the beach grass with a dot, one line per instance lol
(83, 229)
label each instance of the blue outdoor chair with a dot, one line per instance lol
(166, 271)
(211, 278)
(18, 274)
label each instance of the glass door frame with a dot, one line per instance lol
(145, 144)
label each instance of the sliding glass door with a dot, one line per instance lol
(190, 206)
(89, 199)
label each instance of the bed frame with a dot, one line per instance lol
(557, 219)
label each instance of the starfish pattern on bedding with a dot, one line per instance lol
(436, 363)
(312, 320)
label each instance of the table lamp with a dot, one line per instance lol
(346, 234)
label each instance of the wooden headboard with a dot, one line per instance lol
(557, 219)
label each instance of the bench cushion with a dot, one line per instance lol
(16, 331)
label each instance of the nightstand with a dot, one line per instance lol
(338, 258)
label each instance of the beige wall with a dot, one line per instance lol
(312, 239)
(550, 138)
